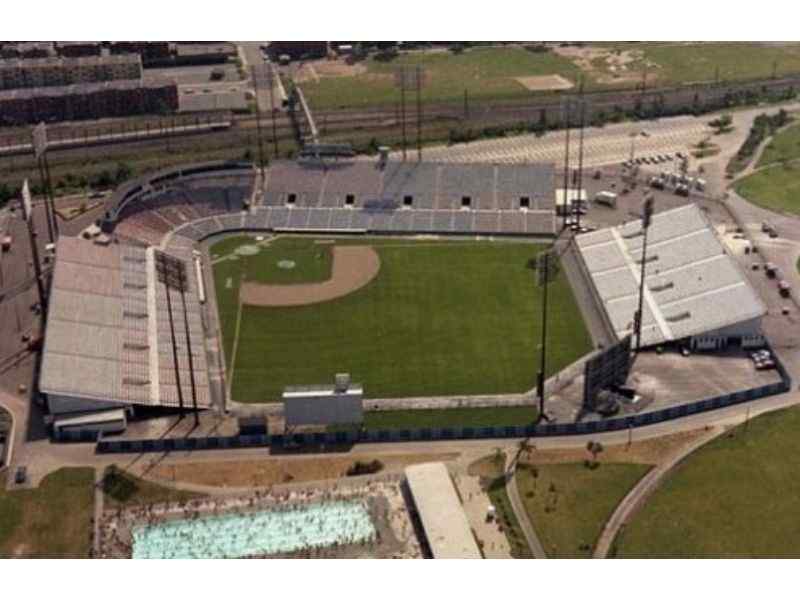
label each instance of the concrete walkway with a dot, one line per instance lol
(98, 509)
(643, 490)
(519, 510)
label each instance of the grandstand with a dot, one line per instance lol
(694, 291)
(181, 206)
(124, 329)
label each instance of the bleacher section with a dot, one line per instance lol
(192, 203)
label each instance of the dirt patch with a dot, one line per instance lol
(353, 268)
(545, 82)
(264, 473)
(647, 452)
(315, 69)
(608, 66)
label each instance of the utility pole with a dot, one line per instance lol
(545, 272)
(419, 113)
(273, 110)
(567, 123)
(647, 214)
(403, 109)
(27, 212)
(39, 136)
(579, 190)
(254, 74)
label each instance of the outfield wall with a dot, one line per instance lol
(300, 440)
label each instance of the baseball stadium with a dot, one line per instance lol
(226, 287)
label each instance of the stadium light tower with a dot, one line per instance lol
(546, 271)
(647, 215)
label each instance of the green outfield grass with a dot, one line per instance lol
(51, 521)
(775, 188)
(483, 72)
(735, 497)
(442, 318)
(783, 147)
(506, 416)
(569, 504)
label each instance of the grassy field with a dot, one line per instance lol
(484, 73)
(570, 503)
(123, 489)
(735, 497)
(687, 63)
(450, 417)
(775, 188)
(312, 261)
(442, 318)
(783, 147)
(52, 521)
(488, 73)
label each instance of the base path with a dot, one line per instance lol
(353, 268)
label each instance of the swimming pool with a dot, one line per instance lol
(259, 533)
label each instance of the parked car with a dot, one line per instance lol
(21, 476)
(784, 288)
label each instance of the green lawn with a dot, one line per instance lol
(569, 504)
(687, 63)
(439, 319)
(123, 489)
(735, 497)
(52, 521)
(485, 73)
(490, 72)
(312, 261)
(450, 417)
(775, 188)
(784, 146)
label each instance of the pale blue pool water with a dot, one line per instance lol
(258, 533)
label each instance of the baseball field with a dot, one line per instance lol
(406, 318)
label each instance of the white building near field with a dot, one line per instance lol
(694, 291)
(443, 518)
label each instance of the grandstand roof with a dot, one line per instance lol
(692, 286)
(446, 526)
(110, 329)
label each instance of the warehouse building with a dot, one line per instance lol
(124, 329)
(87, 101)
(18, 73)
(694, 292)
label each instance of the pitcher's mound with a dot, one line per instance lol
(353, 268)
(545, 82)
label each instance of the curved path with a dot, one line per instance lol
(643, 490)
(353, 268)
(519, 510)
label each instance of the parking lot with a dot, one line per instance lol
(671, 379)
(195, 74)
(607, 145)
